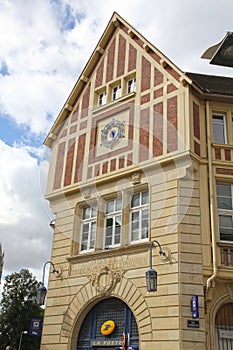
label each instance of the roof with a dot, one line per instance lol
(212, 84)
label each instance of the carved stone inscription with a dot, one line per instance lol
(113, 264)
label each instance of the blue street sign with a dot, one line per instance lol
(195, 306)
(36, 326)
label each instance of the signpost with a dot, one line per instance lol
(195, 306)
(36, 327)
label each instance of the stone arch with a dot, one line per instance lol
(87, 296)
(219, 302)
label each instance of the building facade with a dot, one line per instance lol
(141, 152)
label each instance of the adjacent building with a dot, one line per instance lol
(141, 152)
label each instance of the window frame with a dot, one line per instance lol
(131, 87)
(116, 92)
(113, 215)
(225, 134)
(102, 98)
(224, 212)
(88, 221)
(140, 208)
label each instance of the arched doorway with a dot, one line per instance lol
(224, 327)
(90, 336)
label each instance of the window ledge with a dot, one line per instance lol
(222, 145)
(112, 103)
(111, 252)
(225, 244)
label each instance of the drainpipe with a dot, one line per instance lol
(212, 206)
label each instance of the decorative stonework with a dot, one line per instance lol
(106, 280)
(86, 192)
(136, 178)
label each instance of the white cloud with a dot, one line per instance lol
(24, 216)
(45, 44)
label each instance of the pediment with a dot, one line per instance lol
(118, 39)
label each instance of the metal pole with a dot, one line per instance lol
(20, 341)
(54, 269)
(161, 252)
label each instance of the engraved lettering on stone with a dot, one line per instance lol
(113, 264)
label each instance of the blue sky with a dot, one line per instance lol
(44, 47)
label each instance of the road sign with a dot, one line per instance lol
(36, 327)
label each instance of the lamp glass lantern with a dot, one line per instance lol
(41, 294)
(41, 290)
(151, 280)
(151, 274)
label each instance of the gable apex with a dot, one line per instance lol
(114, 24)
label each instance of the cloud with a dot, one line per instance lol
(24, 216)
(45, 44)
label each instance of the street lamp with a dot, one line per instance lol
(41, 291)
(151, 274)
(20, 340)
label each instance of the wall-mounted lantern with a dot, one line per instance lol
(151, 274)
(42, 291)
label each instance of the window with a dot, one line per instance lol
(100, 226)
(116, 92)
(131, 85)
(225, 211)
(88, 228)
(219, 129)
(113, 222)
(102, 98)
(139, 216)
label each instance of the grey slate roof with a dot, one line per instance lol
(211, 84)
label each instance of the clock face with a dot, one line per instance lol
(112, 133)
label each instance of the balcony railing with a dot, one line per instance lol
(226, 251)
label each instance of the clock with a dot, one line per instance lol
(112, 133)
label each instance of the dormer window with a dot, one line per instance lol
(102, 98)
(116, 92)
(131, 85)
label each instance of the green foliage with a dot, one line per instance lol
(18, 307)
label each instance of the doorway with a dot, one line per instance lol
(224, 327)
(90, 336)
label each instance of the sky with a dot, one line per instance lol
(44, 45)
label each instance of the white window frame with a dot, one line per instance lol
(116, 92)
(89, 222)
(140, 209)
(223, 116)
(114, 215)
(131, 85)
(102, 98)
(225, 211)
